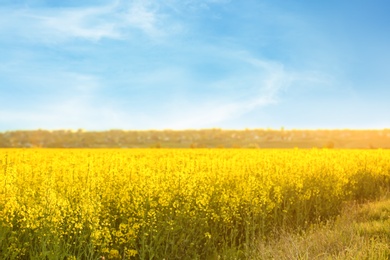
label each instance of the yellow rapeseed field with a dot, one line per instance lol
(172, 203)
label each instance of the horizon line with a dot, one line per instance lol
(196, 129)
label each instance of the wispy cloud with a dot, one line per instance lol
(80, 104)
(82, 23)
(74, 113)
(262, 85)
(113, 21)
(142, 15)
(175, 64)
(70, 100)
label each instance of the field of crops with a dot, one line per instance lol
(172, 203)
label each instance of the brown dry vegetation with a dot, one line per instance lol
(207, 138)
(360, 232)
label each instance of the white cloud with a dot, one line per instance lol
(68, 113)
(113, 21)
(144, 17)
(262, 86)
(79, 24)
(78, 104)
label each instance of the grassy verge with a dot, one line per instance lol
(360, 232)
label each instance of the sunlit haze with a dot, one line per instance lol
(174, 64)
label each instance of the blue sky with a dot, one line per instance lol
(185, 64)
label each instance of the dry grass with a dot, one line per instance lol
(360, 232)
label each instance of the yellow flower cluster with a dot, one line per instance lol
(170, 203)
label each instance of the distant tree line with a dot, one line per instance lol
(206, 138)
